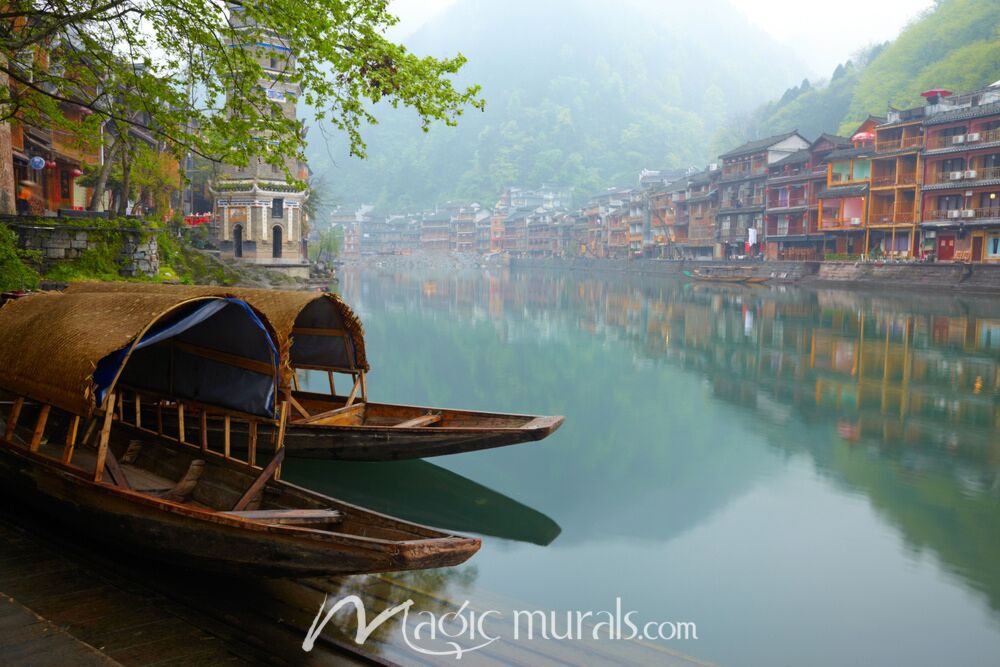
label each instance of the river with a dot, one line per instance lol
(811, 477)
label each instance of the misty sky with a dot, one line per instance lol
(822, 34)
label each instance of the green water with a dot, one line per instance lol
(811, 477)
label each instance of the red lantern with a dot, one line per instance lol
(75, 173)
(51, 164)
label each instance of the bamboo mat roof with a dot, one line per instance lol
(51, 343)
(280, 307)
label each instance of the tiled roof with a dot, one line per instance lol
(839, 192)
(964, 114)
(759, 145)
(847, 153)
(798, 157)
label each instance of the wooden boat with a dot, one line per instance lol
(73, 364)
(319, 332)
(725, 278)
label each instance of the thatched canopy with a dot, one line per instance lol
(69, 350)
(314, 330)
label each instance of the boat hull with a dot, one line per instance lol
(461, 431)
(129, 521)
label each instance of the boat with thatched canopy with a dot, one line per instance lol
(76, 374)
(319, 332)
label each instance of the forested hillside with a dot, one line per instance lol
(581, 93)
(955, 45)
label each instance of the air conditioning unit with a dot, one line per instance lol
(954, 175)
(969, 213)
(972, 136)
(971, 173)
(954, 214)
(960, 139)
(855, 221)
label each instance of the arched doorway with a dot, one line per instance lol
(238, 240)
(276, 241)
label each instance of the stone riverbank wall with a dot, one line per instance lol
(136, 252)
(916, 276)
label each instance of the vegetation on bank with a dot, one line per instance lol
(955, 45)
(181, 252)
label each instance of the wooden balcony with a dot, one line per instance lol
(891, 217)
(792, 202)
(972, 139)
(958, 215)
(892, 145)
(967, 175)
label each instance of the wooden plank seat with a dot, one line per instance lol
(291, 517)
(423, 420)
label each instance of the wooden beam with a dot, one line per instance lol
(312, 331)
(12, 416)
(279, 444)
(224, 357)
(319, 418)
(364, 386)
(298, 407)
(204, 429)
(138, 410)
(102, 446)
(71, 431)
(333, 384)
(258, 484)
(115, 470)
(252, 444)
(354, 391)
(225, 436)
(121, 407)
(295, 379)
(43, 417)
(424, 420)
(180, 423)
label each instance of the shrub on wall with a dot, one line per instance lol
(15, 273)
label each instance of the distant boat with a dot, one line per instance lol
(76, 371)
(321, 332)
(725, 277)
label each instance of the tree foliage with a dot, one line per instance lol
(955, 45)
(167, 68)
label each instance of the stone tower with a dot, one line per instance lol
(258, 214)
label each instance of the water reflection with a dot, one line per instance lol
(425, 493)
(668, 386)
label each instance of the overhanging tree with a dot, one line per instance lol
(186, 72)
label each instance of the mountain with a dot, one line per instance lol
(580, 93)
(954, 45)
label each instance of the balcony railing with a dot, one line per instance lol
(893, 180)
(788, 203)
(961, 176)
(891, 218)
(890, 145)
(961, 140)
(958, 214)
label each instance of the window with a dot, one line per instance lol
(993, 246)
(65, 187)
(274, 62)
(991, 125)
(277, 208)
(783, 225)
(275, 169)
(991, 201)
(991, 160)
(954, 164)
(949, 202)
(953, 131)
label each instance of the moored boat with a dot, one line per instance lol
(320, 333)
(76, 371)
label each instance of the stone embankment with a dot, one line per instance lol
(870, 275)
